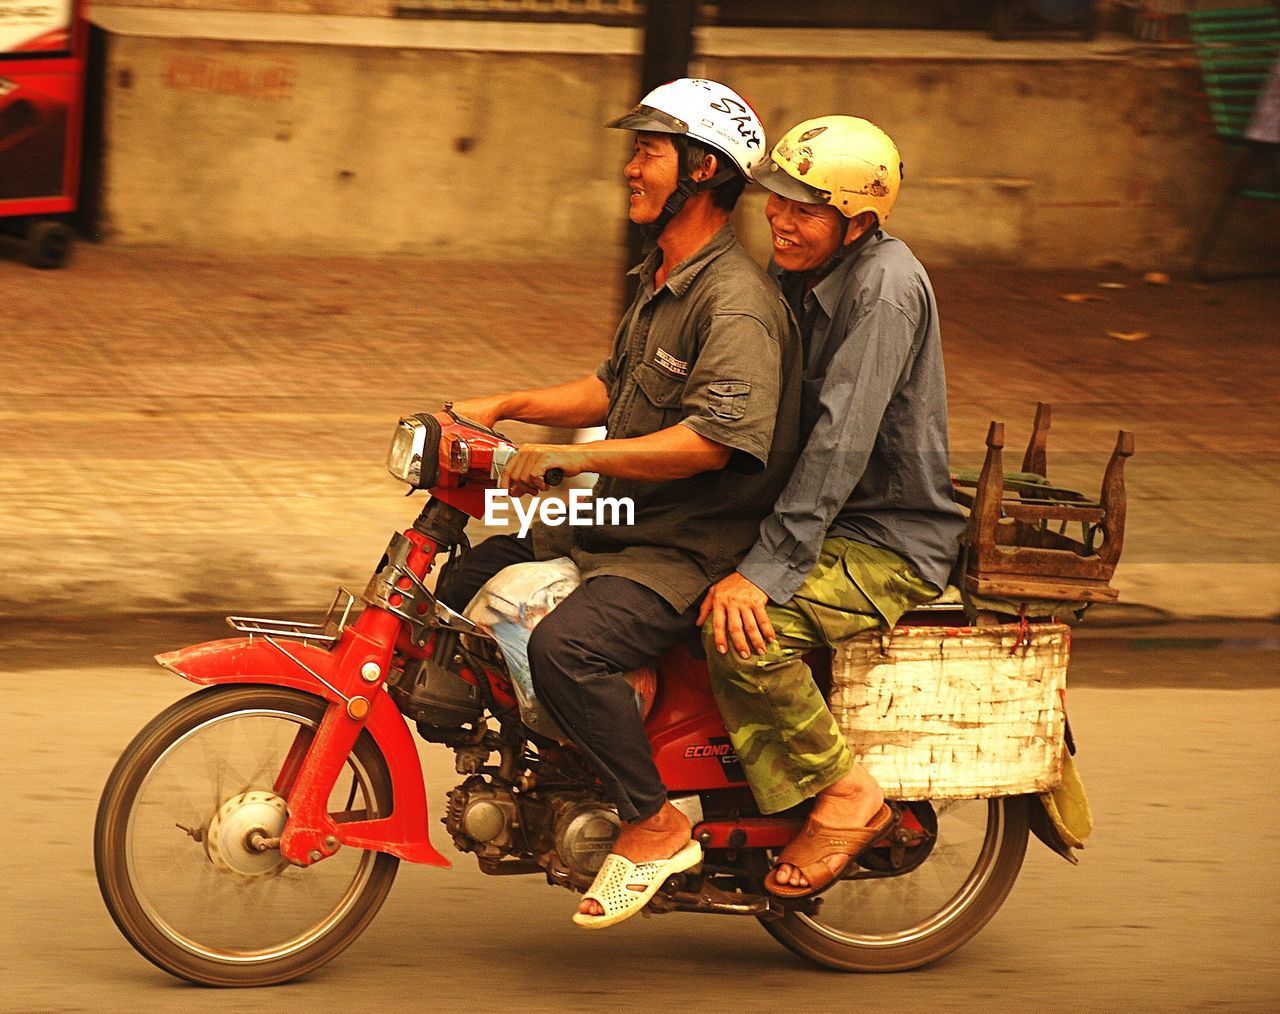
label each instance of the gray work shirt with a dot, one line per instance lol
(714, 348)
(874, 465)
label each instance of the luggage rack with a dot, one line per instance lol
(325, 633)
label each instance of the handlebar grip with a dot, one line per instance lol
(553, 476)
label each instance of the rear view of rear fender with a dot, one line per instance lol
(306, 667)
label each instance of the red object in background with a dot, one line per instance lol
(43, 50)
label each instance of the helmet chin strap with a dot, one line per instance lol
(686, 187)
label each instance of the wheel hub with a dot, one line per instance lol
(239, 832)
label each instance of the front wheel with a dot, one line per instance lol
(186, 841)
(894, 923)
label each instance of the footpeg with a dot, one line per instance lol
(708, 899)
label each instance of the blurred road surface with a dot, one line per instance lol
(1174, 906)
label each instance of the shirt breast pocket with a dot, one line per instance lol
(663, 398)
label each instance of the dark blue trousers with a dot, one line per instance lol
(579, 654)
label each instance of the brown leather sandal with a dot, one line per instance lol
(815, 842)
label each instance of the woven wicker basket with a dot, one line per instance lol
(955, 712)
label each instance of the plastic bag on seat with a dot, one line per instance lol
(510, 605)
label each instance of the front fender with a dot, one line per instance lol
(249, 660)
(252, 660)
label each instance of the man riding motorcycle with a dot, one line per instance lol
(700, 396)
(866, 527)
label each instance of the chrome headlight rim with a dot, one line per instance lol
(418, 464)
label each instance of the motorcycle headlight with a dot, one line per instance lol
(412, 457)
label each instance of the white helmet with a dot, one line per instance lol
(706, 111)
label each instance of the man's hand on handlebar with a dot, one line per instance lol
(737, 608)
(528, 471)
(485, 411)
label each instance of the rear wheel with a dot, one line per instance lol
(893, 923)
(186, 841)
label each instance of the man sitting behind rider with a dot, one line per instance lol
(866, 527)
(701, 399)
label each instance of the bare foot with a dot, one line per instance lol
(850, 802)
(658, 837)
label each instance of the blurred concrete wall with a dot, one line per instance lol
(1040, 161)
(484, 141)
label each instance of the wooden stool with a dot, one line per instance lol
(1012, 553)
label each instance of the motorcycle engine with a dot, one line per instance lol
(568, 832)
(584, 831)
(482, 818)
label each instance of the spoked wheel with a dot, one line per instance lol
(186, 841)
(894, 923)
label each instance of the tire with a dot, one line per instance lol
(191, 787)
(48, 244)
(891, 924)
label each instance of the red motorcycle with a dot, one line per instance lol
(251, 831)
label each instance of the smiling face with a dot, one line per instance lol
(651, 176)
(805, 236)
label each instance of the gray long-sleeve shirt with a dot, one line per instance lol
(875, 462)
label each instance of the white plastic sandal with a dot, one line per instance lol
(622, 888)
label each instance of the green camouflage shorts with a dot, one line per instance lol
(779, 723)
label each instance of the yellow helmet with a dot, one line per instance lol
(846, 162)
